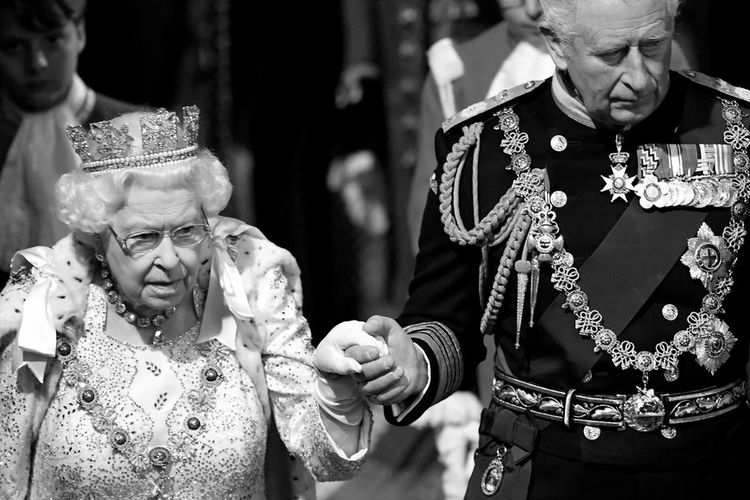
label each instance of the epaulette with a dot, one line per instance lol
(716, 84)
(489, 103)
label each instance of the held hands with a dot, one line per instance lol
(329, 357)
(395, 375)
(337, 392)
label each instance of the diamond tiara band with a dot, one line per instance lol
(106, 146)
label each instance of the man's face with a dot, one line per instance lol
(37, 67)
(619, 60)
(522, 17)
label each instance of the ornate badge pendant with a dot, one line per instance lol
(492, 476)
(618, 183)
(713, 343)
(644, 412)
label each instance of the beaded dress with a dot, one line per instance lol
(161, 398)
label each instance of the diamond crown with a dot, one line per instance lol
(162, 139)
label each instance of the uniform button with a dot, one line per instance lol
(669, 311)
(558, 143)
(558, 199)
(592, 433)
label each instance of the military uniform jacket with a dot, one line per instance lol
(447, 294)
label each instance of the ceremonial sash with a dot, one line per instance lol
(618, 287)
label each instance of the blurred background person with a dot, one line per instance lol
(40, 94)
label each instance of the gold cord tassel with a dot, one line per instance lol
(534, 289)
(523, 267)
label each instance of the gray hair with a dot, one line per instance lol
(560, 17)
(87, 202)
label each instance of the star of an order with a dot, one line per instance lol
(618, 183)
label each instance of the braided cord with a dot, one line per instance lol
(484, 229)
(497, 295)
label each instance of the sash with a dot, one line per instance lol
(652, 242)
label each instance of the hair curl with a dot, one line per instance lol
(560, 17)
(86, 202)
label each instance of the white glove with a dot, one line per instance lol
(336, 390)
(329, 356)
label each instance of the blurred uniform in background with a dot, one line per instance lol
(40, 94)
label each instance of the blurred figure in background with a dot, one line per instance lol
(284, 100)
(357, 175)
(40, 94)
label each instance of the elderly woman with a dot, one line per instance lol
(144, 355)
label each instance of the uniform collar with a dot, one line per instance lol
(569, 104)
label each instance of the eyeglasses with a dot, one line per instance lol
(144, 241)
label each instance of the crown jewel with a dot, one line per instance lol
(107, 146)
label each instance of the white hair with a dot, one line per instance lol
(87, 202)
(560, 17)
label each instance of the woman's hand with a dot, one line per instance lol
(330, 358)
(338, 393)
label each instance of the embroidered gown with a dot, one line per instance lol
(161, 398)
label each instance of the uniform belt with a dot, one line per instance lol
(643, 412)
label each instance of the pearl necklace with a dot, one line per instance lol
(131, 317)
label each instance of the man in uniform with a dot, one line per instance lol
(40, 94)
(592, 223)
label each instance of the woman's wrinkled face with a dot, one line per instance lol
(164, 276)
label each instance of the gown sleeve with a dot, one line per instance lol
(287, 356)
(23, 403)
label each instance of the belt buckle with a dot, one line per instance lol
(643, 411)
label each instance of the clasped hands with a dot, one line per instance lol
(375, 360)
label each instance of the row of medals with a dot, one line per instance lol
(697, 192)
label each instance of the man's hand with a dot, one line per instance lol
(392, 377)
